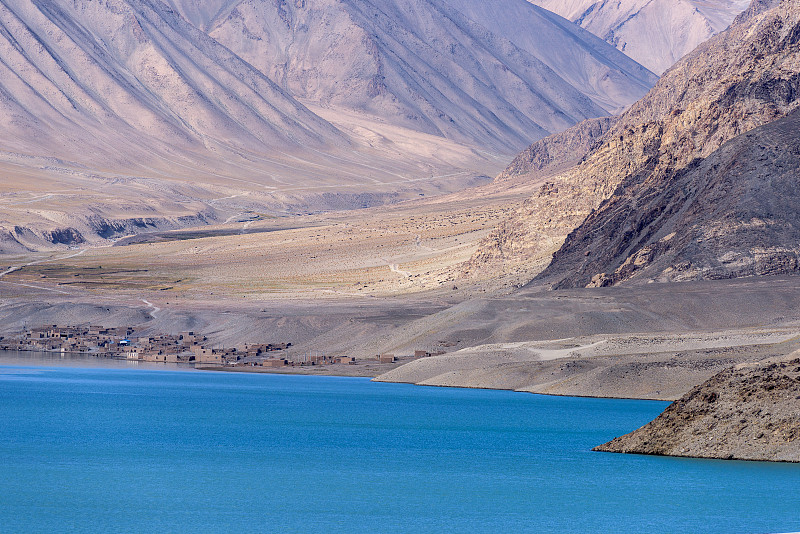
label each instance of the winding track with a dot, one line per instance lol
(37, 262)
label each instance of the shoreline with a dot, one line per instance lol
(47, 359)
(321, 370)
(333, 370)
(361, 371)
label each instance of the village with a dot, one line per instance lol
(125, 343)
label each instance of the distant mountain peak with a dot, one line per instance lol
(656, 33)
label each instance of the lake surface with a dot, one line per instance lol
(121, 450)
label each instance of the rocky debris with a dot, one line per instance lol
(739, 80)
(748, 412)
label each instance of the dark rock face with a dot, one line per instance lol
(750, 412)
(115, 228)
(560, 151)
(65, 236)
(733, 214)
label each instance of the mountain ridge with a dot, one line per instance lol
(434, 66)
(739, 80)
(128, 110)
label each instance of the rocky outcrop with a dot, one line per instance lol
(64, 236)
(749, 412)
(558, 152)
(730, 215)
(739, 80)
(88, 229)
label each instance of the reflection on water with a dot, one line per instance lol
(58, 359)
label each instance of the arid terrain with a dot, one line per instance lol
(342, 176)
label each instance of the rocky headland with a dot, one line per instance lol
(747, 412)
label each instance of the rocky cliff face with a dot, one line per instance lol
(750, 412)
(656, 33)
(743, 78)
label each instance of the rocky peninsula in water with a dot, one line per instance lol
(747, 412)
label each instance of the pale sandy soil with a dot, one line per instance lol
(652, 366)
(378, 252)
(387, 279)
(655, 341)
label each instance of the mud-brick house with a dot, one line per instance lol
(275, 363)
(204, 355)
(161, 357)
(188, 338)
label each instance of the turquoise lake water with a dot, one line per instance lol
(117, 450)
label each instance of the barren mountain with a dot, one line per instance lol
(656, 33)
(732, 214)
(110, 81)
(123, 116)
(123, 111)
(749, 412)
(743, 78)
(497, 75)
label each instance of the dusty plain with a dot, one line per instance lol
(391, 280)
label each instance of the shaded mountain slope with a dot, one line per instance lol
(732, 214)
(656, 33)
(497, 76)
